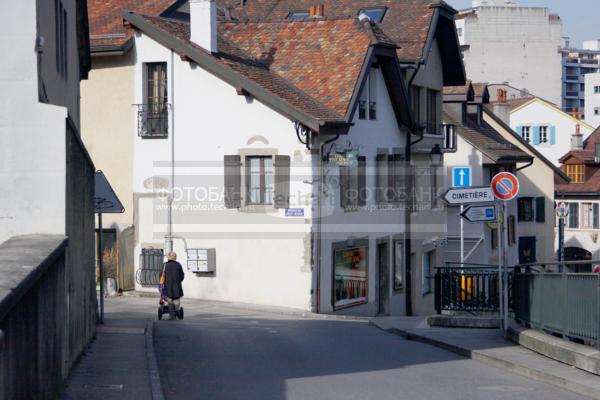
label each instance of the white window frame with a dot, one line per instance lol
(367, 103)
(587, 215)
(544, 134)
(526, 129)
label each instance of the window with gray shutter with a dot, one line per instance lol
(573, 215)
(233, 181)
(595, 216)
(344, 187)
(394, 178)
(540, 209)
(361, 199)
(381, 184)
(282, 181)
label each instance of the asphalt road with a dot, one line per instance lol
(221, 353)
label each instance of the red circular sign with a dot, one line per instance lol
(505, 186)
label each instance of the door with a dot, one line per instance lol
(527, 250)
(384, 278)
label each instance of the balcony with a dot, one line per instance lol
(153, 122)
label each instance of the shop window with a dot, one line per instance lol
(350, 266)
(399, 264)
(427, 275)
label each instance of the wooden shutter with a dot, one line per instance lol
(381, 184)
(540, 209)
(395, 177)
(344, 187)
(233, 181)
(282, 181)
(595, 216)
(361, 199)
(552, 135)
(536, 135)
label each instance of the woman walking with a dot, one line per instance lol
(173, 277)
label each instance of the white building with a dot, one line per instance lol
(592, 99)
(503, 42)
(545, 126)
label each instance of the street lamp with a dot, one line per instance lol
(436, 156)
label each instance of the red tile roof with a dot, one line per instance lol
(313, 65)
(586, 156)
(106, 20)
(407, 22)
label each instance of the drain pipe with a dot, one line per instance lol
(169, 237)
(319, 217)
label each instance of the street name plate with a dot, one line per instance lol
(456, 196)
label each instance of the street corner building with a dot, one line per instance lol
(274, 152)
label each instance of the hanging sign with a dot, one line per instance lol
(344, 159)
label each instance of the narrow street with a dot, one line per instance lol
(223, 352)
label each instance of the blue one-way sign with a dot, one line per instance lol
(461, 177)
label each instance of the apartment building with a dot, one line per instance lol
(577, 64)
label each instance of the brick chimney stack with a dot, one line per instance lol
(501, 106)
(577, 139)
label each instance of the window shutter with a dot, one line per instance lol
(552, 135)
(519, 130)
(380, 189)
(536, 135)
(521, 209)
(540, 209)
(344, 187)
(395, 177)
(233, 181)
(595, 216)
(282, 181)
(362, 182)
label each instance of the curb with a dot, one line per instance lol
(153, 374)
(497, 362)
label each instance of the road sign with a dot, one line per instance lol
(562, 210)
(505, 186)
(480, 214)
(469, 195)
(461, 177)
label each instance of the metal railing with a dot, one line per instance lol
(153, 122)
(468, 287)
(562, 303)
(151, 264)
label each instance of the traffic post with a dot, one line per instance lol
(562, 212)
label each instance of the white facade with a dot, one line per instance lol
(262, 255)
(583, 230)
(592, 99)
(537, 116)
(35, 102)
(515, 45)
(577, 64)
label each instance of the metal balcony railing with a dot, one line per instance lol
(153, 122)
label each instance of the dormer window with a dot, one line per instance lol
(367, 104)
(295, 15)
(575, 172)
(375, 14)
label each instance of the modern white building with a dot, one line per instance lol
(545, 126)
(503, 42)
(577, 64)
(592, 99)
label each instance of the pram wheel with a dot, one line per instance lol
(160, 312)
(180, 313)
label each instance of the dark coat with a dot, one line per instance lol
(173, 277)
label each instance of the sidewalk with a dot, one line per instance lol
(119, 362)
(489, 347)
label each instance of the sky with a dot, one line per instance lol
(581, 18)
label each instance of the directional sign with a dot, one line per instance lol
(469, 195)
(505, 186)
(480, 214)
(461, 177)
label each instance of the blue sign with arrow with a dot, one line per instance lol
(461, 177)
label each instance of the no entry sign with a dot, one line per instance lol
(505, 186)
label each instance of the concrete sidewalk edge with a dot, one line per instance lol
(497, 362)
(153, 373)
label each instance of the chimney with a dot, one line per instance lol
(203, 24)
(501, 106)
(317, 11)
(577, 139)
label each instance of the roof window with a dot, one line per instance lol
(294, 15)
(375, 14)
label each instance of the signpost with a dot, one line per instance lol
(505, 187)
(562, 212)
(461, 178)
(457, 196)
(480, 213)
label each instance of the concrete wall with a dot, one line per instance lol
(592, 100)
(538, 113)
(518, 45)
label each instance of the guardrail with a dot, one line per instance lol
(468, 287)
(566, 304)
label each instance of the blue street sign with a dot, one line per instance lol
(461, 177)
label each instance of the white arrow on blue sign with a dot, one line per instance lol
(480, 214)
(461, 177)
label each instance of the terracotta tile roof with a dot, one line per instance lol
(106, 20)
(479, 88)
(458, 90)
(487, 140)
(406, 22)
(313, 65)
(588, 154)
(587, 157)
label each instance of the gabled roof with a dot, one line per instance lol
(488, 141)
(482, 94)
(461, 94)
(588, 154)
(106, 20)
(309, 70)
(411, 24)
(591, 185)
(518, 104)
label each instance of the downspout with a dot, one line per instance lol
(319, 217)
(169, 237)
(407, 208)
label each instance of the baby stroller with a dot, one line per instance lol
(163, 304)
